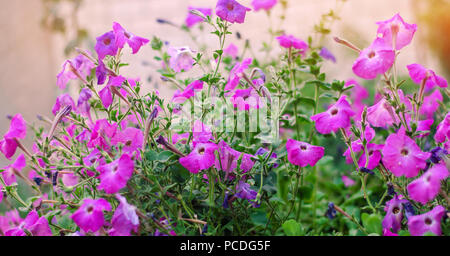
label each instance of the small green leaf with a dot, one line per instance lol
(292, 228)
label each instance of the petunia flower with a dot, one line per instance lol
(76, 68)
(124, 219)
(263, 4)
(115, 175)
(437, 154)
(83, 106)
(337, 116)
(17, 130)
(188, 92)
(431, 104)
(396, 31)
(244, 191)
(326, 54)
(106, 45)
(427, 222)
(101, 134)
(348, 182)
(376, 59)
(89, 217)
(402, 156)
(122, 36)
(201, 157)
(245, 99)
(37, 226)
(236, 74)
(132, 139)
(374, 152)
(9, 175)
(303, 154)
(290, 41)
(106, 94)
(418, 73)
(228, 159)
(231, 11)
(232, 50)
(388, 232)
(443, 130)
(193, 19)
(394, 214)
(180, 58)
(62, 101)
(381, 114)
(428, 185)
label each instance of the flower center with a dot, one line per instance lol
(371, 54)
(370, 152)
(90, 209)
(303, 147)
(396, 210)
(395, 28)
(201, 151)
(128, 143)
(404, 152)
(230, 6)
(334, 112)
(428, 221)
(107, 41)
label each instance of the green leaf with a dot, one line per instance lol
(292, 228)
(372, 223)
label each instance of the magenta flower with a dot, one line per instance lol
(376, 59)
(115, 175)
(38, 226)
(428, 185)
(388, 232)
(348, 182)
(132, 139)
(106, 45)
(337, 116)
(402, 156)
(394, 214)
(263, 4)
(358, 94)
(443, 130)
(374, 151)
(193, 19)
(396, 31)
(106, 94)
(231, 11)
(201, 158)
(245, 99)
(431, 104)
(326, 54)
(201, 132)
(290, 41)
(236, 74)
(188, 92)
(418, 73)
(124, 219)
(76, 68)
(232, 50)
(89, 217)
(62, 101)
(301, 153)
(381, 114)
(83, 106)
(9, 175)
(17, 130)
(427, 222)
(122, 36)
(102, 132)
(228, 159)
(181, 138)
(244, 191)
(180, 58)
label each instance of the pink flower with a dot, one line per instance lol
(431, 104)
(443, 130)
(180, 58)
(374, 151)
(387, 232)
(245, 99)
(231, 11)
(229, 157)
(424, 126)
(201, 132)
(301, 153)
(102, 132)
(402, 156)
(193, 19)
(236, 74)
(201, 157)
(188, 92)
(132, 139)
(290, 41)
(347, 181)
(9, 175)
(38, 226)
(395, 30)
(418, 73)
(83, 106)
(106, 45)
(358, 94)
(263, 4)
(243, 191)
(62, 101)
(337, 116)
(376, 59)
(427, 222)
(17, 130)
(122, 37)
(115, 175)
(394, 214)
(182, 138)
(232, 50)
(89, 217)
(428, 185)
(124, 219)
(105, 94)
(77, 68)
(381, 114)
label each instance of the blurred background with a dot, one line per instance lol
(38, 35)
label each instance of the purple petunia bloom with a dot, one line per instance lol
(188, 92)
(396, 31)
(394, 214)
(17, 130)
(326, 54)
(9, 175)
(124, 219)
(427, 222)
(303, 154)
(428, 185)
(290, 41)
(337, 116)
(89, 217)
(231, 11)
(180, 58)
(115, 175)
(76, 68)
(376, 59)
(236, 74)
(37, 226)
(132, 139)
(418, 73)
(263, 4)
(62, 101)
(201, 158)
(122, 36)
(106, 45)
(193, 19)
(228, 159)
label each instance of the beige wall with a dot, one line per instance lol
(31, 57)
